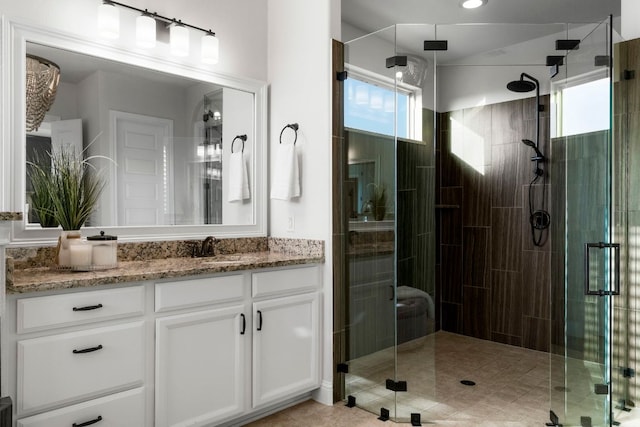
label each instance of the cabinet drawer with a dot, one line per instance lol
(55, 311)
(59, 369)
(283, 281)
(121, 409)
(199, 292)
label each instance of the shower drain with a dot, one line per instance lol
(468, 382)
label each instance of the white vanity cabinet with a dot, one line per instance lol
(286, 334)
(196, 351)
(239, 353)
(79, 357)
(200, 355)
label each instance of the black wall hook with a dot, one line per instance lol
(294, 127)
(242, 138)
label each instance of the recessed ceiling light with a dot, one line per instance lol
(472, 4)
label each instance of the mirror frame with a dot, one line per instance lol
(15, 35)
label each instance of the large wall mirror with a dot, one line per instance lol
(161, 133)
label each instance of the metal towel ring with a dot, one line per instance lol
(293, 126)
(242, 138)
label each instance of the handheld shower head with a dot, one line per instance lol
(530, 143)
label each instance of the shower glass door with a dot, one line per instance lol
(389, 193)
(585, 255)
(369, 120)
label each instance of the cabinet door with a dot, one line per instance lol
(200, 367)
(285, 347)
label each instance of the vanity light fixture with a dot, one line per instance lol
(472, 4)
(108, 20)
(146, 31)
(109, 27)
(209, 48)
(179, 39)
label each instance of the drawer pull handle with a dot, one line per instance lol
(88, 350)
(259, 320)
(88, 307)
(88, 423)
(244, 324)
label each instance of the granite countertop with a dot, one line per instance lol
(10, 216)
(370, 243)
(28, 273)
(370, 249)
(45, 278)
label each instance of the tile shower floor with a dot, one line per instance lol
(511, 383)
(511, 387)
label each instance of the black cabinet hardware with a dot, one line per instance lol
(88, 307)
(88, 350)
(244, 324)
(259, 320)
(88, 423)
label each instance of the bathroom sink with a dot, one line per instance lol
(225, 259)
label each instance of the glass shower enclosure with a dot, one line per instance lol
(395, 140)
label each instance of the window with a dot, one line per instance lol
(370, 104)
(584, 107)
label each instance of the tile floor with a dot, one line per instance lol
(511, 388)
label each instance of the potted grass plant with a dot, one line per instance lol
(40, 195)
(379, 201)
(73, 186)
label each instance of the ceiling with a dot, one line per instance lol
(520, 21)
(371, 15)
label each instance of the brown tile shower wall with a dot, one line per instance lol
(415, 215)
(626, 137)
(493, 282)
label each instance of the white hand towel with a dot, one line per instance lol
(238, 179)
(286, 182)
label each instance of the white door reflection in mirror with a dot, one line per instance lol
(143, 155)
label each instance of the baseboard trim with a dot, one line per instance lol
(324, 394)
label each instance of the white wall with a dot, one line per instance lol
(299, 52)
(237, 106)
(630, 26)
(240, 26)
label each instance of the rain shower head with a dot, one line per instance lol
(523, 85)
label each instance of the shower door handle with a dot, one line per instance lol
(616, 267)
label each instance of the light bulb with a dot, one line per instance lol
(145, 31)
(179, 40)
(472, 4)
(209, 48)
(108, 21)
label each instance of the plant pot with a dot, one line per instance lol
(63, 250)
(379, 212)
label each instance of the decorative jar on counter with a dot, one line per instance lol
(104, 251)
